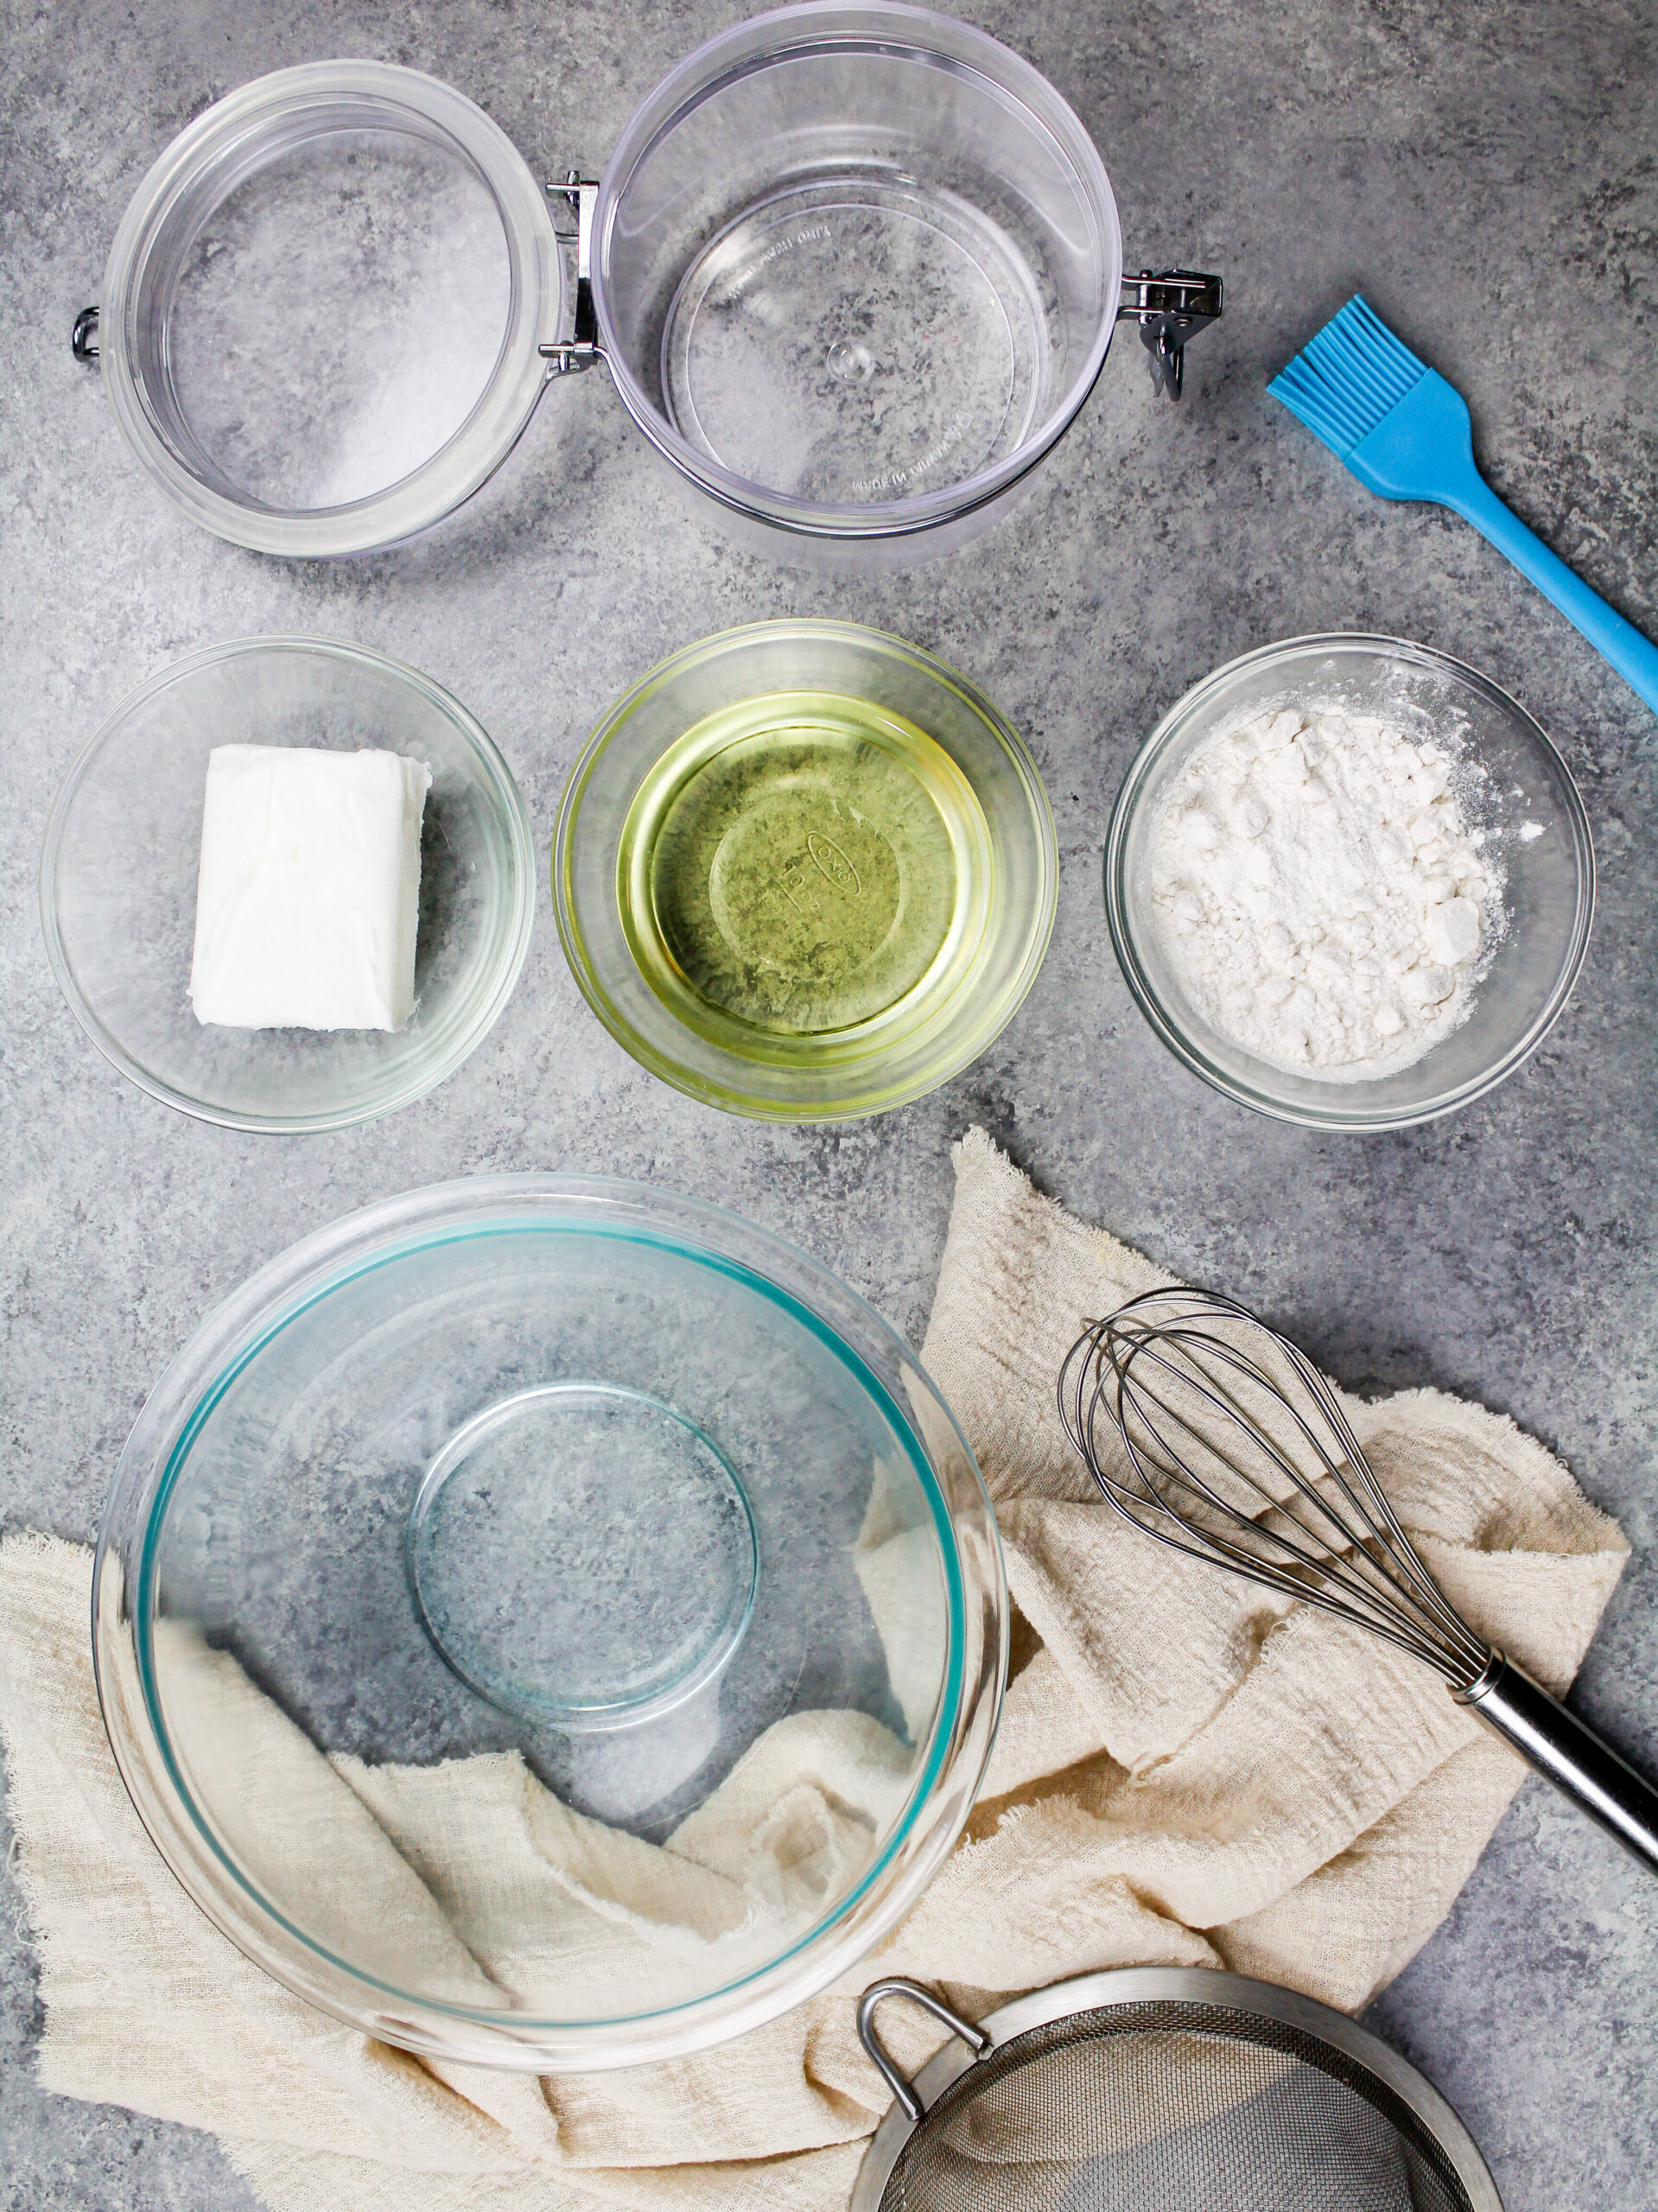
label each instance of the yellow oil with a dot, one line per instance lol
(803, 865)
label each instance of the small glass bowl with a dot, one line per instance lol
(1533, 824)
(118, 883)
(876, 927)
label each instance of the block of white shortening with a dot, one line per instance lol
(309, 891)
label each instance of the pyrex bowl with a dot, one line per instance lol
(1520, 798)
(118, 883)
(550, 1622)
(804, 871)
(854, 270)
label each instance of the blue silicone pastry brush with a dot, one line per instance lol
(1406, 432)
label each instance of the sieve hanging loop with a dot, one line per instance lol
(582, 348)
(976, 2041)
(83, 339)
(1170, 2089)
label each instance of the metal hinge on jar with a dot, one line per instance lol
(1171, 306)
(582, 348)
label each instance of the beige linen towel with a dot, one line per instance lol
(1188, 1771)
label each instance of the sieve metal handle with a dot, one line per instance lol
(975, 2039)
(1573, 1758)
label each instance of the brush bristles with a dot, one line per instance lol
(1349, 377)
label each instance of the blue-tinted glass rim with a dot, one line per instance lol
(748, 1278)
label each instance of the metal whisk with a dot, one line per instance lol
(1234, 1450)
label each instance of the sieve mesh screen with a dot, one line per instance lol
(1170, 2108)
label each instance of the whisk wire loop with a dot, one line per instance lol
(1346, 1470)
(1240, 1453)
(1213, 1434)
(1317, 1563)
(1406, 1559)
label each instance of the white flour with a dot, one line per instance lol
(1316, 893)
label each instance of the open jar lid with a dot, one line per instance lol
(854, 270)
(322, 317)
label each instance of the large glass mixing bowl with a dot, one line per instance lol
(1518, 797)
(550, 1622)
(804, 871)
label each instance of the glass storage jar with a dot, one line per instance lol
(853, 270)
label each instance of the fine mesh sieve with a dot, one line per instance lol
(1163, 2090)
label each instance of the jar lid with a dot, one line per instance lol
(321, 316)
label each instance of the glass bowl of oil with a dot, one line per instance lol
(804, 871)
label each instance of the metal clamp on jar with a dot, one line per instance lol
(1171, 308)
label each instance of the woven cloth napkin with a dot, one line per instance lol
(1189, 1771)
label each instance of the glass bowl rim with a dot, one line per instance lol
(948, 1771)
(1164, 1021)
(502, 410)
(497, 778)
(892, 25)
(753, 1103)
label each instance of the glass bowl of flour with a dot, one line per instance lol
(1349, 882)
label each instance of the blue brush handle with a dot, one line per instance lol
(1423, 448)
(1635, 657)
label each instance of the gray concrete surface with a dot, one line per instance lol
(1489, 174)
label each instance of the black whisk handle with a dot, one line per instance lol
(1573, 1758)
